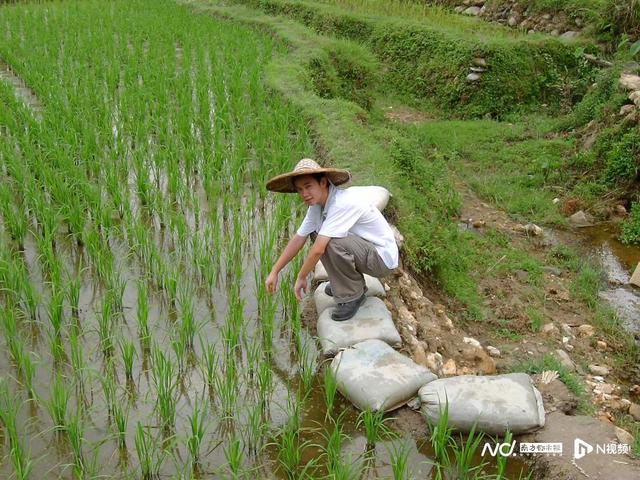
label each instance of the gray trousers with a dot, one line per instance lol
(346, 260)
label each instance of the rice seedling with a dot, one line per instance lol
(105, 327)
(73, 296)
(164, 378)
(210, 367)
(150, 457)
(121, 419)
(188, 323)
(58, 403)
(307, 369)
(76, 440)
(400, 461)
(143, 316)
(441, 436)
(109, 387)
(464, 454)
(197, 422)
(128, 351)
(501, 460)
(234, 455)
(330, 389)
(8, 416)
(375, 427)
(336, 466)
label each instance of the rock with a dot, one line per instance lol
(549, 329)
(479, 224)
(565, 360)
(397, 236)
(533, 229)
(581, 219)
(565, 429)
(474, 77)
(635, 390)
(602, 346)
(569, 347)
(557, 396)
(414, 404)
(493, 351)
(626, 109)
(599, 370)
(565, 340)
(598, 378)
(555, 32)
(552, 271)
(480, 62)
(512, 21)
(635, 278)
(471, 341)
(630, 82)
(621, 210)
(449, 368)
(604, 388)
(522, 275)
(566, 329)
(634, 411)
(586, 330)
(631, 67)
(570, 34)
(635, 97)
(578, 21)
(474, 11)
(459, 9)
(623, 436)
(434, 362)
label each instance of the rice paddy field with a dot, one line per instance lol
(135, 234)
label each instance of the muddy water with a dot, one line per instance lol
(618, 262)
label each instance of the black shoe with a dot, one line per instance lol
(328, 290)
(345, 311)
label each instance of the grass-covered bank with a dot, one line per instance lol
(431, 57)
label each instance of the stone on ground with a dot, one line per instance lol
(324, 301)
(494, 404)
(635, 278)
(373, 375)
(372, 321)
(565, 429)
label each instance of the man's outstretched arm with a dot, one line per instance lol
(291, 250)
(317, 250)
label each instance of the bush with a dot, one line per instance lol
(622, 17)
(631, 226)
(623, 160)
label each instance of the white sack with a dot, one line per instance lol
(320, 274)
(373, 195)
(496, 403)
(324, 301)
(372, 320)
(373, 375)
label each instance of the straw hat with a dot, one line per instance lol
(284, 183)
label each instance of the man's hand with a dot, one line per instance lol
(272, 283)
(299, 287)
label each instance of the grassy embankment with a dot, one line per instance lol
(512, 164)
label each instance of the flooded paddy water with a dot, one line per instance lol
(135, 236)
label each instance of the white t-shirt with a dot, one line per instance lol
(345, 213)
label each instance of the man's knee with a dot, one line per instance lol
(337, 245)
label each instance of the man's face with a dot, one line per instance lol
(311, 190)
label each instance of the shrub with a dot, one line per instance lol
(622, 17)
(631, 226)
(623, 160)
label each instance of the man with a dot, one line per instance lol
(349, 235)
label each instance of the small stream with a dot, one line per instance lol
(618, 262)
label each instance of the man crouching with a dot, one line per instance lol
(349, 235)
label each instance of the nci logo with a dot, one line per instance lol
(504, 449)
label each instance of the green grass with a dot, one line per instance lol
(570, 379)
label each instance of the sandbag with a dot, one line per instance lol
(372, 320)
(319, 273)
(373, 375)
(373, 195)
(324, 301)
(496, 403)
